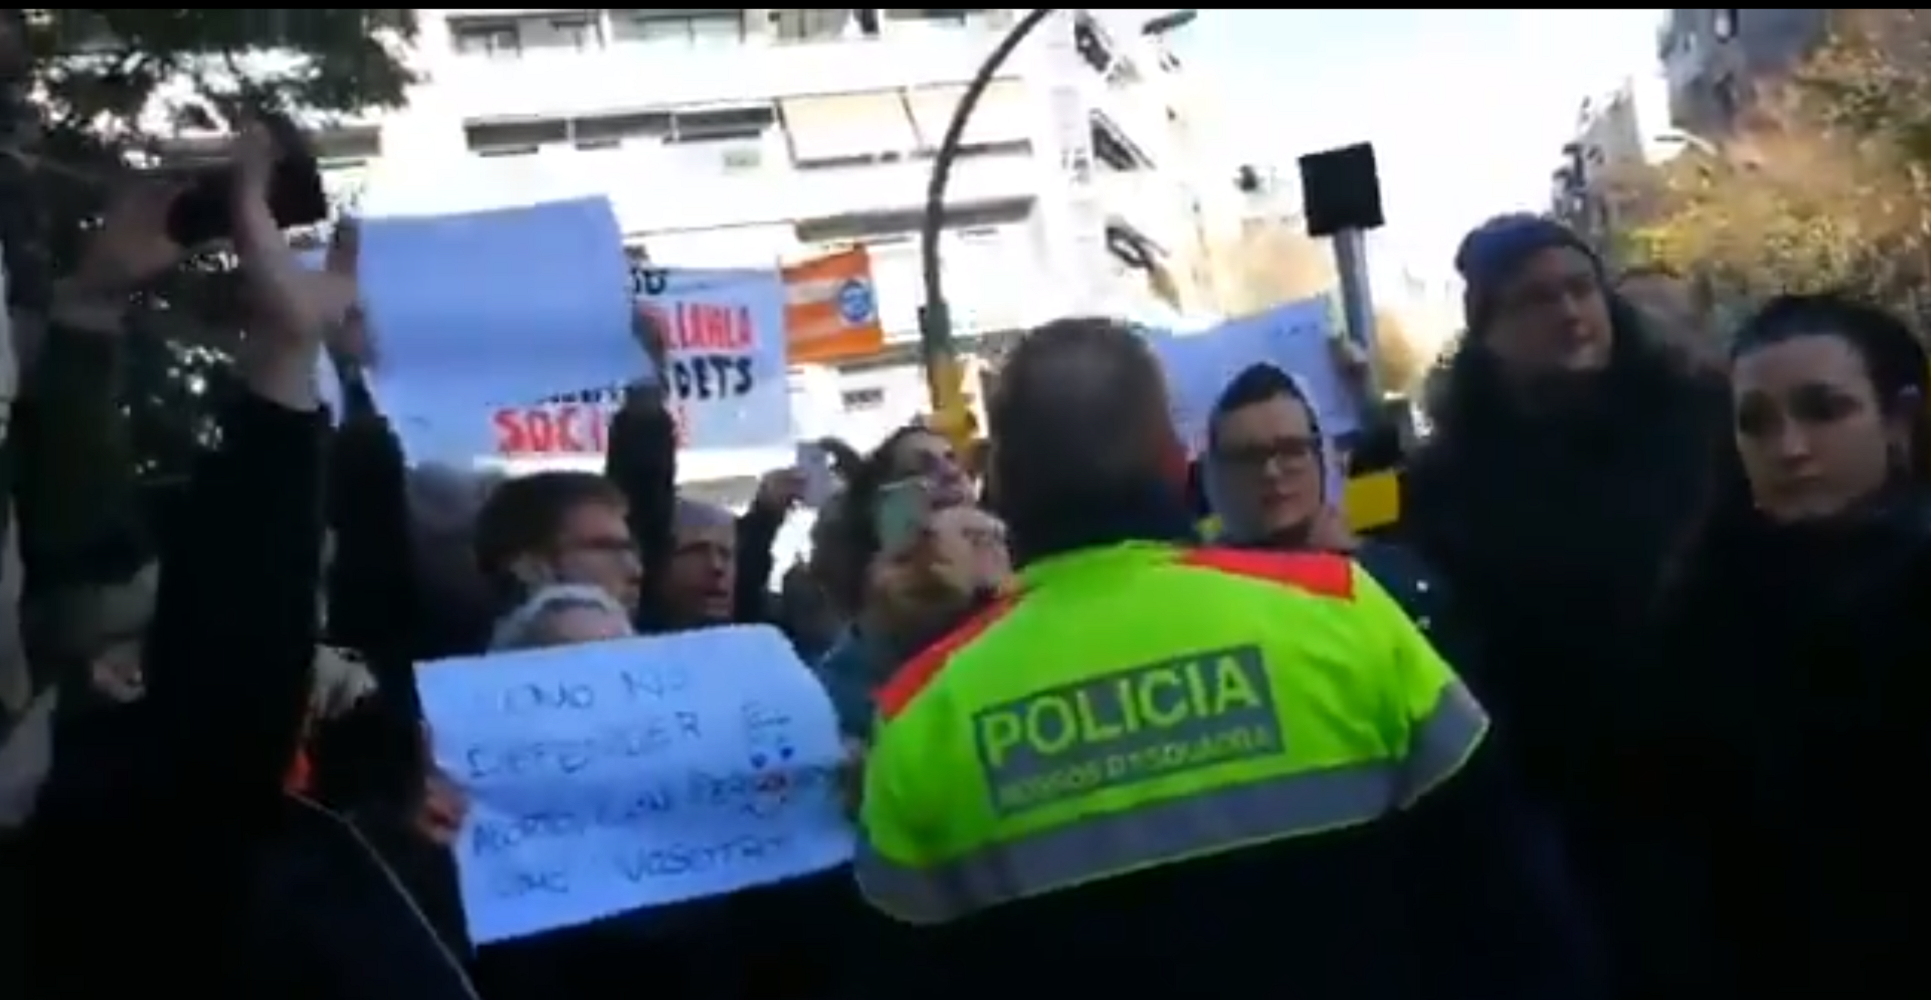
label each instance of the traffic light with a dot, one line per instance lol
(952, 414)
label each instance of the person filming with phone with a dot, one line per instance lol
(904, 553)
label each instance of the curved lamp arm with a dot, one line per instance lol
(935, 319)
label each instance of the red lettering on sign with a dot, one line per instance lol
(699, 326)
(556, 429)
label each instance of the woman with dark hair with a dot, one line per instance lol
(870, 648)
(1797, 744)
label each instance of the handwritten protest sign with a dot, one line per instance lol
(726, 351)
(1293, 337)
(575, 423)
(481, 309)
(829, 312)
(641, 772)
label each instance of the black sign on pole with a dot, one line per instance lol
(1341, 190)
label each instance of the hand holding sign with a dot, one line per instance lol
(640, 772)
(486, 309)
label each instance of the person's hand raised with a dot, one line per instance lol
(976, 539)
(913, 591)
(439, 814)
(253, 154)
(779, 490)
(132, 244)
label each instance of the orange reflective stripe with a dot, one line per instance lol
(1324, 574)
(910, 679)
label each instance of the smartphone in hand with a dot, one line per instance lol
(814, 467)
(900, 514)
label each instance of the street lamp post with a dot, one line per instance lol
(942, 372)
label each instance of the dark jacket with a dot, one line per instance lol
(1558, 530)
(757, 534)
(641, 460)
(371, 762)
(1457, 897)
(167, 818)
(1795, 752)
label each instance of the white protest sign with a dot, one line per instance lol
(724, 334)
(1293, 338)
(619, 775)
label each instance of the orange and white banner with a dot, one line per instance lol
(831, 309)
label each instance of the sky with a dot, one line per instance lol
(1468, 109)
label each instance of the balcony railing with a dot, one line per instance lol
(635, 77)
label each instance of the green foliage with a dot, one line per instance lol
(97, 78)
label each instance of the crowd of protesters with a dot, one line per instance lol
(1689, 589)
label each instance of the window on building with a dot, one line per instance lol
(679, 28)
(578, 33)
(1723, 24)
(494, 39)
(1132, 248)
(612, 131)
(1092, 44)
(514, 138)
(722, 124)
(1113, 150)
(945, 17)
(359, 144)
(842, 129)
(878, 228)
(860, 400)
(1001, 118)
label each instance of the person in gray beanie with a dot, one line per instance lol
(1572, 463)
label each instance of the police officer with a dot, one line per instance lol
(1154, 768)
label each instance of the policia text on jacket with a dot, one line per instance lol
(1138, 723)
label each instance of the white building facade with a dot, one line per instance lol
(743, 137)
(1624, 129)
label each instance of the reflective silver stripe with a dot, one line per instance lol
(1440, 742)
(1107, 845)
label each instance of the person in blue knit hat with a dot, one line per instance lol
(1536, 291)
(1572, 463)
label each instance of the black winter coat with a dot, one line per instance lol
(166, 855)
(1798, 754)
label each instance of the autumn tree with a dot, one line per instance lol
(1270, 262)
(1273, 262)
(94, 93)
(1823, 186)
